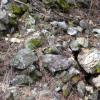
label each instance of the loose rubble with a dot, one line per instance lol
(50, 52)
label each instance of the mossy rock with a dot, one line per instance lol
(33, 43)
(98, 68)
(51, 50)
(64, 5)
(75, 79)
(66, 90)
(18, 9)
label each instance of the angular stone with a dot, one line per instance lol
(84, 24)
(91, 61)
(23, 59)
(20, 80)
(55, 63)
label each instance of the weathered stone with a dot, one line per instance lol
(23, 59)
(62, 24)
(65, 76)
(2, 27)
(4, 2)
(59, 85)
(84, 24)
(66, 89)
(96, 30)
(95, 95)
(55, 63)
(25, 1)
(27, 25)
(20, 80)
(74, 45)
(72, 31)
(79, 29)
(4, 16)
(91, 61)
(29, 70)
(83, 41)
(96, 81)
(81, 88)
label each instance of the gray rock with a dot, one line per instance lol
(65, 76)
(74, 45)
(95, 95)
(2, 27)
(29, 70)
(4, 2)
(96, 30)
(62, 24)
(91, 61)
(18, 93)
(85, 2)
(4, 16)
(72, 31)
(71, 1)
(20, 80)
(89, 89)
(96, 81)
(27, 25)
(73, 71)
(83, 41)
(25, 1)
(59, 85)
(81, 88)
(55, 63)
(23, 59)
(80, 29)
(51, 50)
(84, 24)
(48, 94)
(3, 20)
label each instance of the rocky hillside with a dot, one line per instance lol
(49, 50)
